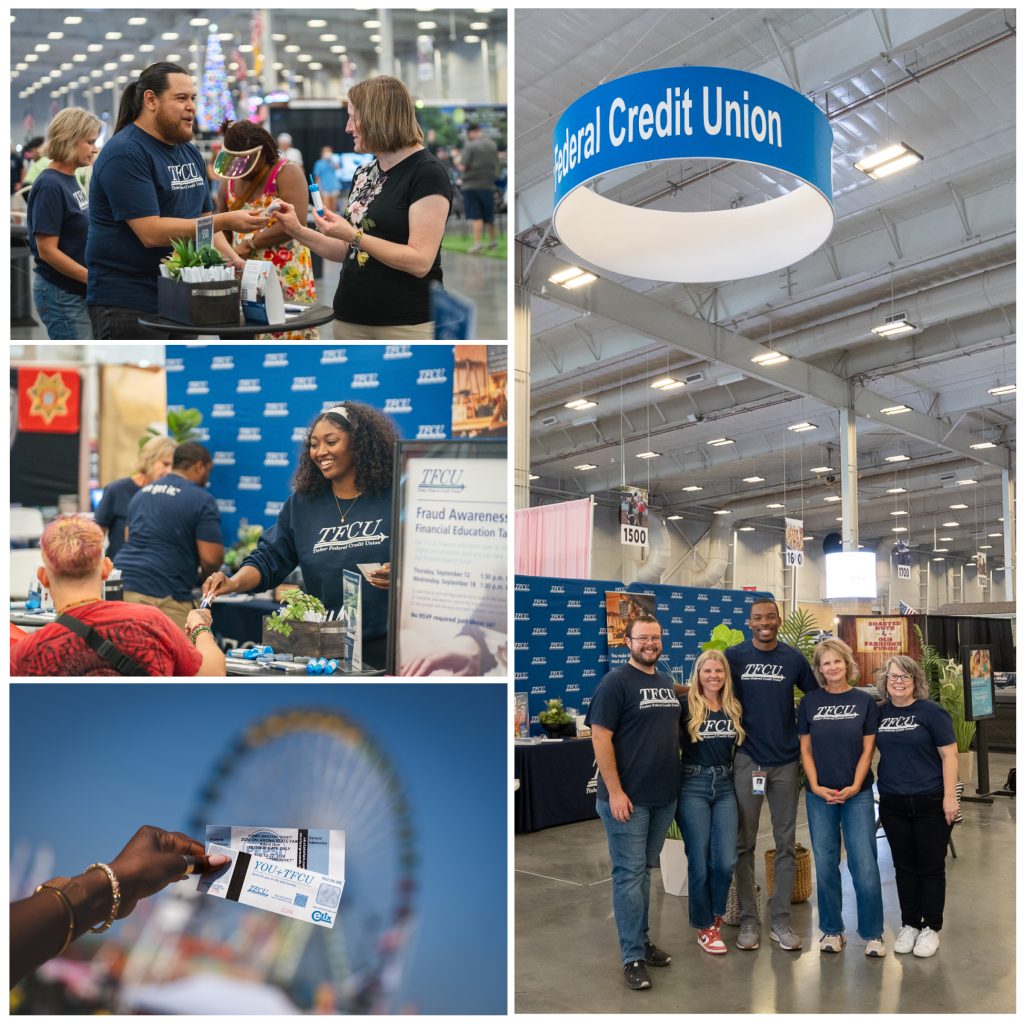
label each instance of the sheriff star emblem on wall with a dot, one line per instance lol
(49, 397)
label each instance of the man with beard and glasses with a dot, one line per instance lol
(764, 672)
(634, 718)
(148, 188)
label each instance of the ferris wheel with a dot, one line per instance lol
(318, 769)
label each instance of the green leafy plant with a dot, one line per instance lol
(931, 662)
(722, 636)
(951, 697)
(182, 425)
(554, 714)
(673, 831)
(185, 254)
(798, 629)
(293, 608)
(248, 538)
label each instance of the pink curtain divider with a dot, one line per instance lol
(554, 540)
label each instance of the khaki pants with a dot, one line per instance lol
(176, 611)
(344, 331)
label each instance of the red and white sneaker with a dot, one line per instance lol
(710, 941)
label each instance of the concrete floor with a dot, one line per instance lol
(480, 278)
(567, 958)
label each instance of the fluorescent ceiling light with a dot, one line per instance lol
(831, 497)
(471, 39)
(995, 535)
(585, 465)
(899, 529)
(958, 506)
(895, 410)
(693, 487)
(371, 24)
(753, 479)
(649, 455)
(169, 36)
(967, 482)
(672, 518)
(1003, 389)
(945, 540)
(895, 326)
(136, 21)
(822, 469)
(718, 442)
(888, 160)
(897, 458)
(723, 511)
(896, 490)
(984, 547)
(771, 358)
(317, 23)
(801, 427)
(199, 22)
(478, 26)
(745, 529)
(941, 550)
(775, 504)
(952, 522)
(426, 25)
(533, 476)
(580, 403)
(984, 444)
(939, 559)
(898, 512)
(808, 536)
(572, 276)
(667, 383)
(72, 19)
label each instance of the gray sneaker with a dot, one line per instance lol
(749, 937)
(785, 937)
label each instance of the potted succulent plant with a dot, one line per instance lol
(556, 721)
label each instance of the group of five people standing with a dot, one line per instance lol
(736, 740)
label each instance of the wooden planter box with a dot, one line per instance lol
(309, 639)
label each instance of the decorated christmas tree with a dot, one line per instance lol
(215, 104)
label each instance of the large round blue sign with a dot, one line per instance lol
(693, 113)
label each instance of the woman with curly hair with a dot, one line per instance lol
(337, 517)
(706, 813)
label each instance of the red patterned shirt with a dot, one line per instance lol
(145, 634)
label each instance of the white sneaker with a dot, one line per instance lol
(875, 947)
(927, 943)
(906, 939)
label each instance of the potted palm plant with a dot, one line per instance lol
(951, 697)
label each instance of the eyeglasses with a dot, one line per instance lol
(894, 678)
(646, 641)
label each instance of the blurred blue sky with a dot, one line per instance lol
(91, 763)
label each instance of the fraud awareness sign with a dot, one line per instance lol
(454, 571)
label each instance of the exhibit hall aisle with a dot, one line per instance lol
(566, 957)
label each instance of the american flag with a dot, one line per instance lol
(905, 609)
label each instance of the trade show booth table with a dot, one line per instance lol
(557, 783)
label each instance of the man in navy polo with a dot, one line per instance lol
(174, 540)
(764, 672)
(634, 717)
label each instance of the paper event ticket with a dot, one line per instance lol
(318, 849)
(274, 885)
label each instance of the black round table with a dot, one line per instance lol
(315, 316)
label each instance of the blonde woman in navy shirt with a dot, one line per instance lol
(917, 799)
(837, 726)
(706, 811)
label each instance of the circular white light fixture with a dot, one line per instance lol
(692, 113)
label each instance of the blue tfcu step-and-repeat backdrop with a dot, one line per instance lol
(258, 403)
(561, 633)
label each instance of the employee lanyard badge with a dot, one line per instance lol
(759, 779)
(230, 164)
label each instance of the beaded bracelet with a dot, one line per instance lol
(356, 239)
(115, 903)
(70, 912)
(195, 633)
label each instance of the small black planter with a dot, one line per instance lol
(567, 731)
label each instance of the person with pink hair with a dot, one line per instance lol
(94, 637)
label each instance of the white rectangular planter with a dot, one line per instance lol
(673, 867)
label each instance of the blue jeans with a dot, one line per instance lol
(634, 847)
(856, 819)
(64, 314)
(708, 818)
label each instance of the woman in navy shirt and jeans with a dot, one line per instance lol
(706, 812)
(837, 726)
(917, 799)
(58, 225)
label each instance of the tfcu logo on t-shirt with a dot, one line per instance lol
(765, 673)
(658, 697)
(898, 723)
(337, 538)
(716, 729)
(835, 713)
(184, 175)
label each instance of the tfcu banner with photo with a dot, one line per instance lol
(258, 401)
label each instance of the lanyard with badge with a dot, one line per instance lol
(758, 779)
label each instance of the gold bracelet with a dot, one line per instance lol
(46, 887)
(115, 903)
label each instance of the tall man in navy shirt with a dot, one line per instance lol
(764, 672)
(148, 187)
(174, 539)
(634, 716)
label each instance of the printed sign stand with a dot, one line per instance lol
(979, 705)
